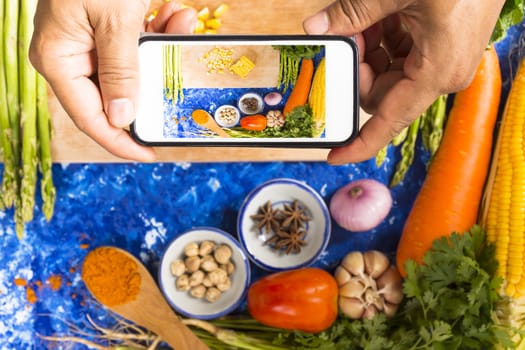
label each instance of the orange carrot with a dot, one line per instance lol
(451, 193)
(299, 95)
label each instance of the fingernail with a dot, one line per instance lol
(121, 112)
(316, 24)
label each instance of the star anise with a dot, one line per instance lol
(291, 242)
(267, 218)
(294, 216)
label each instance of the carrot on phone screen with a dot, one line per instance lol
(301, 90)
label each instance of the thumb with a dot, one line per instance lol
(116, 40)
(349, 17)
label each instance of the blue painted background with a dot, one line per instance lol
(141, 207)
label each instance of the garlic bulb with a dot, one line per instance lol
(368, 285)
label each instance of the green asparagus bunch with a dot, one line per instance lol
(429, 126)
(172, 63)
(25, 131)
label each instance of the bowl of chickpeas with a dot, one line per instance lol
(227, 116)
(203, 273)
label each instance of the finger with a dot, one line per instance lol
(116, 38)
(406, 101)
(371, 99)
(348, 17)
(182, 22)
(396, 39)
(158, 24)
(82, 101)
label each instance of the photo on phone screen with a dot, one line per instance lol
(242, 91)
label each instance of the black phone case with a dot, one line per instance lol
(254, 142)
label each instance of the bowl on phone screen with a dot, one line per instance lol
(251, 103)
(227, 116)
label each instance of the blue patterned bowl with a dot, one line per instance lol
(254, 239)
(200, 308)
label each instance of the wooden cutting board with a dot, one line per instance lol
(196, 74)
(243, 17)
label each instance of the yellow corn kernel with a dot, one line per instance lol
(199, 27)
(213, 23)
(210, 31)
(152, 15)
(505, 215)
(203, 14)
(220, 10)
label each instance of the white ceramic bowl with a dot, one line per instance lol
(258, 98)
(224, 122)
(182, 301)
(280, 191)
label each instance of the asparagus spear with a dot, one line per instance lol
(27, 79)
(178, 69)
(47, 187)
(10, 52)
(437, 122)
(9, 176)
(381, 156)
(407, 153)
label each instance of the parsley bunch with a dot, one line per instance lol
(450, 303)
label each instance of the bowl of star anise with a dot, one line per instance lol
(283, 224)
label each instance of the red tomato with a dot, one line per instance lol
(303, 299)
(255, 122)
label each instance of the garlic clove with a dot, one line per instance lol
(352, 307)
(341, 275)
(376, 263)
(390, 285)
(390, 309)
(352, 289)
(354, 263)
(370, 312)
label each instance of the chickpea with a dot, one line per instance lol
(191, 249)
(196, 278)
(177, 267)
(206, 248)
(192, 263)
(229, 268)
(182, 283)
(224, 286)
(223, 254)
(198, 291)
(208, 263)
(218, 276)
(212, 294)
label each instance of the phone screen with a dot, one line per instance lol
(293, 90)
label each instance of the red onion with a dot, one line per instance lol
(273, 98)
(361, 205)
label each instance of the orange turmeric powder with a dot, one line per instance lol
(111, 276)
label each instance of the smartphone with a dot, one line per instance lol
(247, 90)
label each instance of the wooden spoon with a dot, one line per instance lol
(204, 118)
(150, 310)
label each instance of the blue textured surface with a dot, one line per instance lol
(140, 207)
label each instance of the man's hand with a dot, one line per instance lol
(411, 51)
(88, 52)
